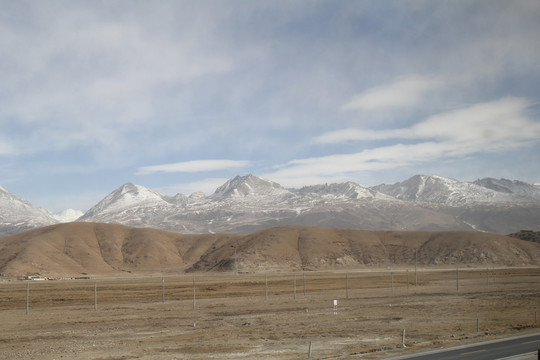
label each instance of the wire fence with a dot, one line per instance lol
(360, 311)
(342, 285)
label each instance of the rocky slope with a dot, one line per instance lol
(17, 214)
(527, 235)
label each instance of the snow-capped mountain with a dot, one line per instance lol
(126, 197)
(444, 191)
(347, 190)
(248, 203)
(520, 189)
(129, 204)
(249, 186)
(68, 215)
(17, 214)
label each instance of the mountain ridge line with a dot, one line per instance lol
(248, 203)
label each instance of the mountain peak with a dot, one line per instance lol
(68, 215)
(441, 190)
(248, 185)
(126, 196)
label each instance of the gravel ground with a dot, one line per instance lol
(238, 318)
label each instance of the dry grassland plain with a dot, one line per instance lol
(273, 316)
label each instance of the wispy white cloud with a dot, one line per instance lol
(487, 127)
(347, 166)
(97, 89)
(353, 134)
(492, 125)
(195, 166)
(405, 92)
(77, 77)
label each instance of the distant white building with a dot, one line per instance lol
(35, 277)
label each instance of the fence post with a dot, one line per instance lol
(266, 286)
(304, 284)
(347, 285)
(407, 279)
(235, 263)
(457, 279)
(27, 296)
(294, 286)
(415, 263)
(194, 297)
(162, 290)
(95, 294)
(309, 350)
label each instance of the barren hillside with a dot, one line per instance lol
(77, 249)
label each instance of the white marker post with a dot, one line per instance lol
(335, 307)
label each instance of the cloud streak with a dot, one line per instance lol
(492, 124)
(195, 166)
(317, 91)
(495, 126)
(406, 92)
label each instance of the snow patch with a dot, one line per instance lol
(68, 215)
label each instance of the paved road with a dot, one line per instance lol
(490, 350)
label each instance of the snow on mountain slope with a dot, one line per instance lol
(17, 214)
(517, 188)
(444, 191)
(249, 186)
(127, 198)
(347, 190)
(249, 203)
(68, 215)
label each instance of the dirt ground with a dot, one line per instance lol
(265, 317)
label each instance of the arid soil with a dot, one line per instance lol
(88, 249)
(263, 317)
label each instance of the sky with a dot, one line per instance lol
(180, 96)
